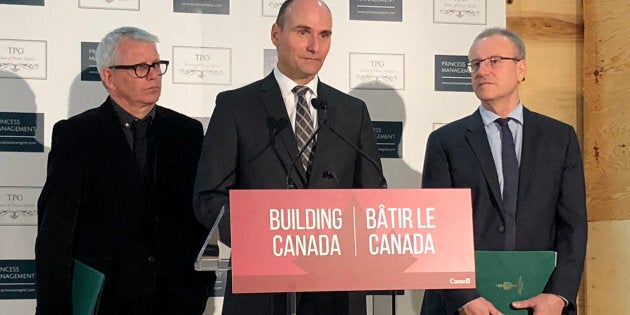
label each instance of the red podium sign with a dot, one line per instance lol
(351, 239)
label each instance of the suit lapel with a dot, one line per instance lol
(116, 139)
(163, 143)
(478, 140)
(276, 111)
(532, 135)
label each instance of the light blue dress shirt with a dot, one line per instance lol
(493, 131)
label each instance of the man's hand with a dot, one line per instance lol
(479, 306)
(542, 304)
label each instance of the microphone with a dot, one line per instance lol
(331, 175)
(274, 126)
(382, 182)
(322, 118)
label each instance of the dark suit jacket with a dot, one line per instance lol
(551, 209)
(250, 145)
(97, 207)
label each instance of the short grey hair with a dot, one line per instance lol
(513, 37)
(107, 49)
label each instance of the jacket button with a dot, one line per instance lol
(151, 259)
(501, 229)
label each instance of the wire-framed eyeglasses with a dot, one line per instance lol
(494, 61)
(142, 69)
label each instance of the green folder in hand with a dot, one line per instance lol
(87, 285)
(506, 276)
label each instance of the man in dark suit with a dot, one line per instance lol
(118, 193)
(526, 177)
(253, 139)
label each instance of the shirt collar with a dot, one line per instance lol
(125, 118)
(286, 84)
(489, 117)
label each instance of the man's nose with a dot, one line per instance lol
(154, 72)
(313, 43)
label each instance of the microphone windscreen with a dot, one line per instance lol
(319, 104)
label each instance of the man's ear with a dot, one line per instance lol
(522, 70)
(107, 78)
(275, 30)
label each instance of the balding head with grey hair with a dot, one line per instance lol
(513, 37)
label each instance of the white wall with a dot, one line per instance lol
(63, 26)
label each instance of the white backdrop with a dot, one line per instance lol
(58, 92)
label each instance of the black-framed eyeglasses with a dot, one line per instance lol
(494, 61)
(142, 69)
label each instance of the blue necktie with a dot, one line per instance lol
(510, 183)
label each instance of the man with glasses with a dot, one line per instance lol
(118, 193)
(526, 177)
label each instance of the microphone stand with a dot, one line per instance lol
(317, 104)
(292, 296)
(382, 182)
(322, 105)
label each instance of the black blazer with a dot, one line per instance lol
(96, 207)
(551, 209)
(250, 145)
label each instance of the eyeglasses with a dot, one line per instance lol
(475, 64)
(142, 69)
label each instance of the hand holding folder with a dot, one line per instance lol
(504, 277)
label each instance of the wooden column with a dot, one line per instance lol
(607, 154)
(554, 36)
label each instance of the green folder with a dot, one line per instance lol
(87, 285)
(506, 276)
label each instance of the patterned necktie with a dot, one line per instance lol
(510, 182)
(303, 127)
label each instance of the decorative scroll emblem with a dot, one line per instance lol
(18, 206)
(460, 13)
(15, 214)
(201, 73)
(15, 67)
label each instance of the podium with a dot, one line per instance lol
(214, 255)
(311, 240)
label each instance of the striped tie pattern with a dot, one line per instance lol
(303, 127)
